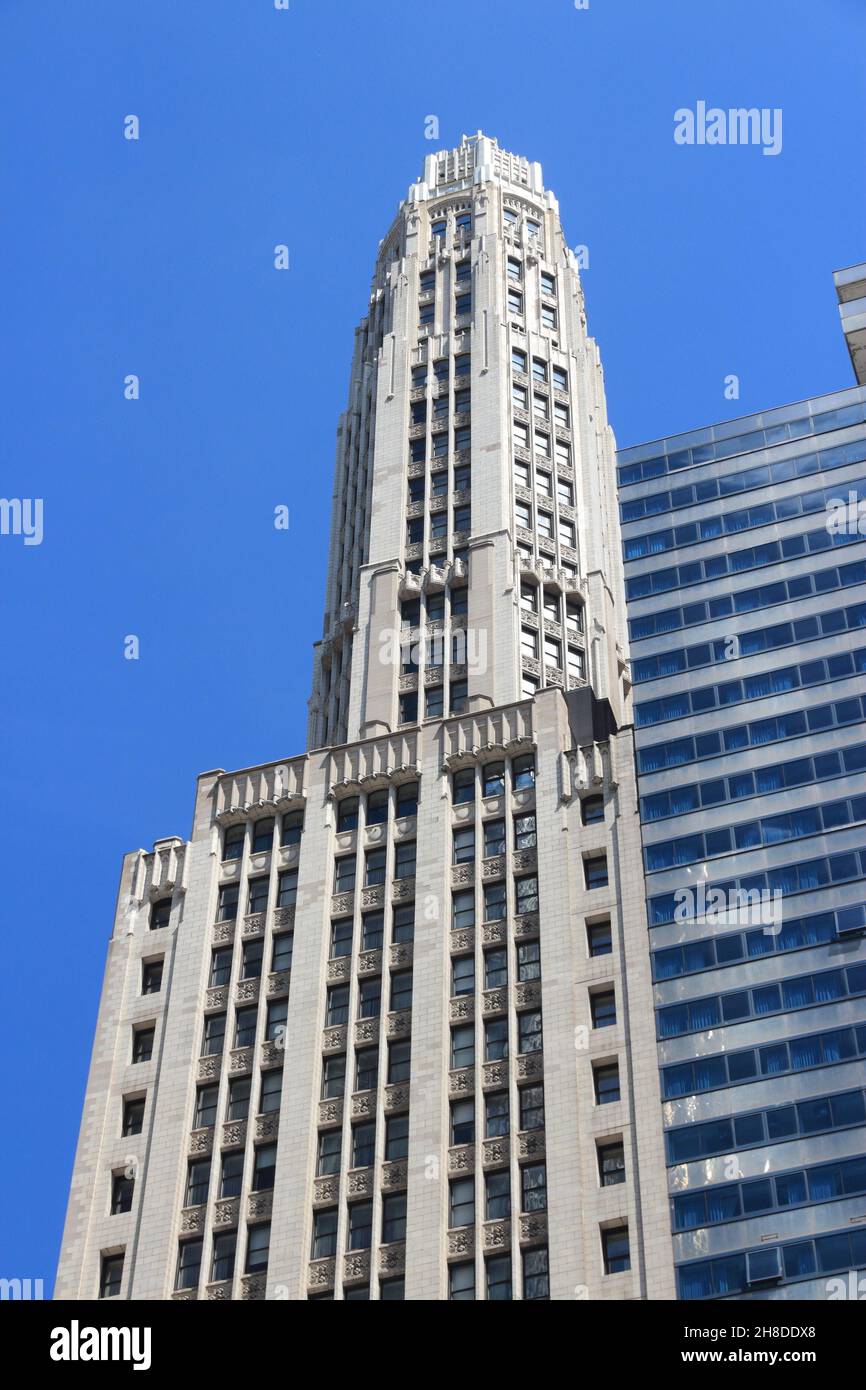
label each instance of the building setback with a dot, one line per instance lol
(383, 1026)
(745, 573)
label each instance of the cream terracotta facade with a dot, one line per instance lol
(393, 764)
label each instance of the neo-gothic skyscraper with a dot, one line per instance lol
(383, 1026)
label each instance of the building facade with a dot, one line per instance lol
(745, 565)
(382, 1027)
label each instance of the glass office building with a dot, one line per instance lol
(745, 570)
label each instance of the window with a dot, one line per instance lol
(524, 831)
(515, 270)
(392, 1289)
(496, 1117)
(111, 1275)
(337, 1010)
(518, 396)
(239, 1098)
(598, 936)
(462, 364)
(526, 894)
(463, 783)
(462, 518)
(462, 1046)
(415, 527)
(497, 1195)
(540, 408)
(515, 302)
(545, 528)
(363, 1145)
(276, 1015)
(528, 961)
(520, 434)
(548, 316)
(542, 446)
(270, 1095)
(396, 1137)
(603, 1009)
(509, 216)
(531, 1107)
(374, 870)
(227, 909)
(287, 888)
(529, 1034)
(197, 1182)
(292, 828)
(398, 1062)
(360, 1225)
(220, 967)
(377, 807)
(264, 1168)
(496, 968)
(462, 975)
(533, 1182)
(401, 990)
(372, 931)
(523, 771)
(426, 313)
(529, 643)
(493, 778)
(133, 1117)
(344, 874)
(461, 1282)
(324, 1234)
(611, 1164)
(370, 998)
(461, 1202)
(536, 1274)
(403, 923)
(494, 838)
(498, 1272)
(462, 402)
(434, 705)
(518, 360)
(258, 1248)
(539, 369)
(214, 1035)
(282, 956)
(366, 1069)
(464, 845)
(404, 859)
(463, 304)
(252, 956)
(407, 799)
(263, 835)
(595, 871)
(142, 1043)
(606, 1080)
(347, 813)
(151, 976)
(614, 1244)
(521, 473)
(462, 1121)
(409, 707)
(233, 842)
(245, 1027)
(188, 1264)
(231, 1174)
(463, 909)
(494, 902)
(576, 664)
(427, 281)
(394, 1217)
(564, 493)
(258, 894)
(122, 1189)
(205, 1107)
(495, 1040)
(464, 270)
(543, 486)
(333, 1078)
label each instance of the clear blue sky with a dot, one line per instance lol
(155, 257)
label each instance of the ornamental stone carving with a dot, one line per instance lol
(497, 1235)
(529, 1065)
(234, 1134)
(493, 867)
(392, 1258)
(342, 904)
(533, 1227)
(494, 1152)
(494, 1074)
(253, 1288)
(528, 994)
(272, 1053)
(366, 1031)
(326, 1189)
(216, 998)
(492, 932)
(208, 1068)
(192, 1219)
(463, 939)
(321, 1274)
(240, 1060)
(461, 1241)
(363, 1103)
(401, 954)
(494, 1001)
(278, 983)
(330, 1112)
(246, 991)
(462, 1008)
(359, 1182)
(259, 1205)
(399, 1024)
(396, 1098)
(462, 874)
(201, 1140)
(222, 932)
(284, 917)
(226, 1211)
(373, 897)
(526, 925)
(524, 859)
(461, 1159)
(267, 1126)
(254, 924)
(340, 969)
(530, 1143)
(403, 890)
(219, 1293)
(370, 963)
(394, 1175)
(335, 1039)
(461, 1082)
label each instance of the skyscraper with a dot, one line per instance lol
(382, 1027)
(745, 549)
